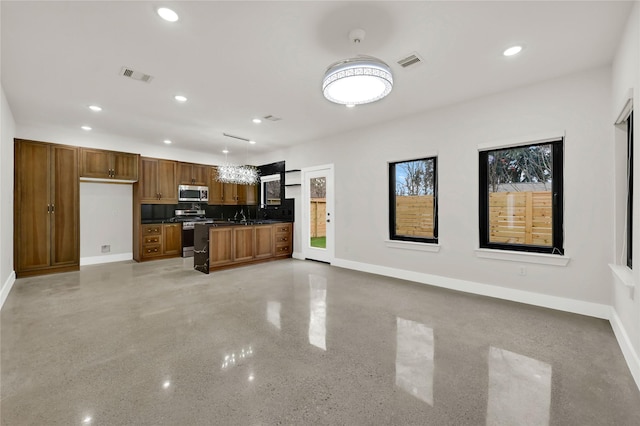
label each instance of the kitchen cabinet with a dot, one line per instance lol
(46, 205)
(157, 184)
(243, 243)
(160, 240)
(192, 174)
(230, 194)
(283, 239)
(264, 241)
(101, 165)
(220, 246)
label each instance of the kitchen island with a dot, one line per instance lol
(222, 245)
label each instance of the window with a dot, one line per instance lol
(413, 200)
(521, 198)
(629, 221)
(271, 190)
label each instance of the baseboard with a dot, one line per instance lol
(95, 260)
(297, 255)
(6, 288)
(546, 301)
(630, 355)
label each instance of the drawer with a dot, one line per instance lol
(283, 249)
(151, 250)
(150, 239)
(283, 228)
(283, 238)
(152, 229)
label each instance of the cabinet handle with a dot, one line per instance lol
(53, 208)
(48, 208)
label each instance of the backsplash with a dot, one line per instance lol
(166, 211)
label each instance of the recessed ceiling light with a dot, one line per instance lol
(167, 141)
(87, 128)
(167, 14)
(225, 151)
(513, 50)
(257, 120)
(95, 108)
(180, 98)
(252, 142)
(350, 105)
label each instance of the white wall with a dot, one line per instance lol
(626, 79)
(577, 104)
(7, 130)
(106, 218)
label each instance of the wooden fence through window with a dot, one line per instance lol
(521, 217)
(317, 216)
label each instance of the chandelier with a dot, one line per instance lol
(237, 174)
(359, 80)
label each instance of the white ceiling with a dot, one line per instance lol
(238, 60)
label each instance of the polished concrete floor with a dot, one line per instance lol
(296, 342)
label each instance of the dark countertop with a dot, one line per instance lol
(220, 222)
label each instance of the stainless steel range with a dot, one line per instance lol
(189, 218)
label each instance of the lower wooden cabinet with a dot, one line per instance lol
(231, 245)
(160, 240)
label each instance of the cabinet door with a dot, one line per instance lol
(148, 183)
(264, 241)
(220, 246)
(249, 195)
(125, 166)
(200, 174)
(172, 234)
(243, 243)
(167, 187)
(32, 219)
(65, 233)
(95, 163)
(216, 189)
(185, 175)
(230, 194)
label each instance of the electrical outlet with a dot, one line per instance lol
(106, 248)
(523, 270)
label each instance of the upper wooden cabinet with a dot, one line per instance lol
(47, 218)
(98, 164)
(230, 194)
(157, 181)
(192, 174)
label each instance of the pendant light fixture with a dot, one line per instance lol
(359, 80)
(238, 174)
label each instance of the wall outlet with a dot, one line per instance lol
(105, 248)
(523, 270)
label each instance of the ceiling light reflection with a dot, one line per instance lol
(166, 384)
(167, 14)
(513, 50)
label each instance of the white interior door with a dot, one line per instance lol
(318, 214)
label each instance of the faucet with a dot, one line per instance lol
(244, 219)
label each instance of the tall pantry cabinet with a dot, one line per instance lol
(46, 208)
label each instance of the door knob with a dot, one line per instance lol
(328, 220)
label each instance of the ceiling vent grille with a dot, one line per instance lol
(272, 118)
(409, 60)
(136, 75)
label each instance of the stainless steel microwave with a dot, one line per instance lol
(193, 193)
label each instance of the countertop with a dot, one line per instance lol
(219, 222)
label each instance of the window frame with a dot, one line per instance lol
(557, 189)
(392, 202)
(263, 193)
(629, 224)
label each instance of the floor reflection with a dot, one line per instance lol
(273, 313)
(318, 311)
(519, 389)
(414, 359)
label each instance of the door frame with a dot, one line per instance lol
(327, 254)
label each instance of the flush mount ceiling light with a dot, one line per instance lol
(167, 141)
(513, 50)
(95, 108)
(87, 128)
(180, 98)
(240, 175)
(167, 14)
(359, 80)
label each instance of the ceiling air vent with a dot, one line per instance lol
(411, 59)
(136, 75)
(272, 118)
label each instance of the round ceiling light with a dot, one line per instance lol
(257, 121)
(95, 108)
(180, 98)
(167, 141)
(513, 50)
(167, 14)
(357, 81)
(87, 128)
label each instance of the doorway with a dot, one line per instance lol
(317, 213)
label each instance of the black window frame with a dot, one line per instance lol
(392, 203)
(629, 224)
(557, 189)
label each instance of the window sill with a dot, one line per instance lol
(410, 245)
(526, 257)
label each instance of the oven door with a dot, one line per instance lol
(187, 240)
